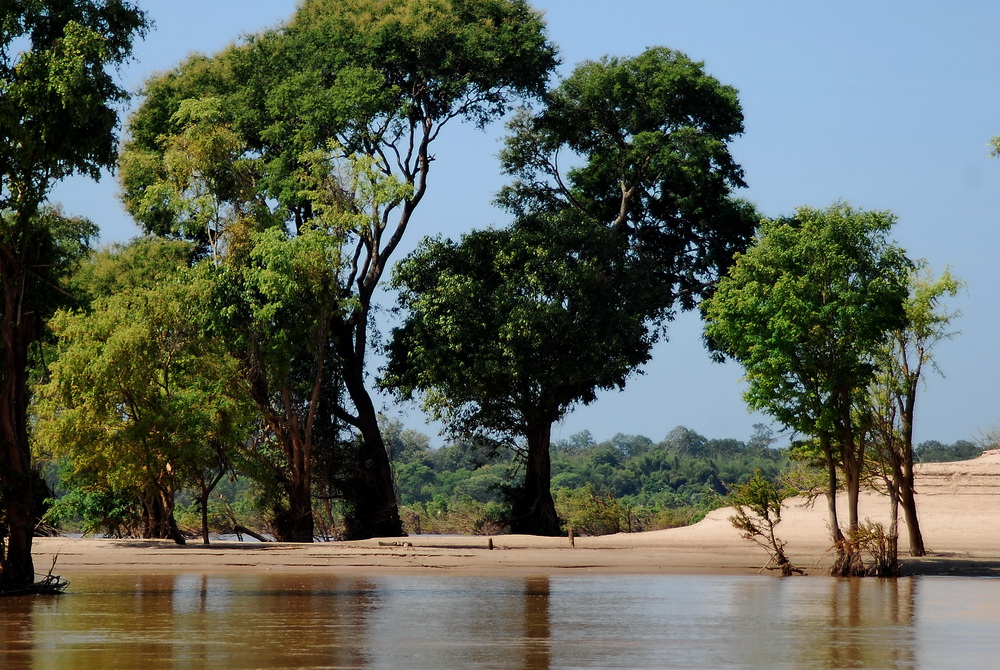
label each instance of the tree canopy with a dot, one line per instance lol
(507, 329)
(596, 262)
(140, 400)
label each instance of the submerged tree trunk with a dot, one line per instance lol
(534, 510)
(16, 567)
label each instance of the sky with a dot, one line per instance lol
(887, 105)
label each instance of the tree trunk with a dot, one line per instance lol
(16, 567)
(203, 501)
(908, 502)
(831, 492)
(295, 524)
(534, 510)
(371, 491)
(906, 487)
(170, 529)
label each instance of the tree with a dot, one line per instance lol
(508, 329)
(56, 119)
(369, 80)
(894, 391)
(139, 396)
(276, 310)
(652, 135)
(758, 504)
(806, 311)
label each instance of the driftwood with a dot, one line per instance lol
(240, 531)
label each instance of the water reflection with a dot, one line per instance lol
(312, 621)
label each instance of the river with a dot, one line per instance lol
(264, 620)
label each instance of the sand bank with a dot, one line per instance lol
(958, 505)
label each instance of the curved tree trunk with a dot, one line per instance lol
(534, 510)
(371, 491)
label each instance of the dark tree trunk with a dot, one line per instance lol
(16, 330)
(158, 517)
(908, 502)
(831, 492)
(534, 510)
(907, 497)
(371, 491)
(295, 523)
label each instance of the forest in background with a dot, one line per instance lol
(628, 483)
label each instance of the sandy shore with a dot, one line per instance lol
(959, 509)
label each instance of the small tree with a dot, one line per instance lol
(894, 395)
(758, 506)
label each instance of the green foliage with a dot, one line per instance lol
(57, 118)
(324, 123)
(805, 310)
(652, 134)
(508, 329)
(57, 93)
(139, 397)
(932, 451)
(588, 513)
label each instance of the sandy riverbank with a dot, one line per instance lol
(959, 508)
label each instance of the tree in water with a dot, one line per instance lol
(57, 103)
(806, 311)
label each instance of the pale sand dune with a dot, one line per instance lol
(958, 504)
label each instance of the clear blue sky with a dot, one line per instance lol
(888, 105)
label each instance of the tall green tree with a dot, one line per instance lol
(376, 80)
(508, 329)
(139, 396)
(57, 118)
(651, 178)
(275, 312)
(806, 312)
